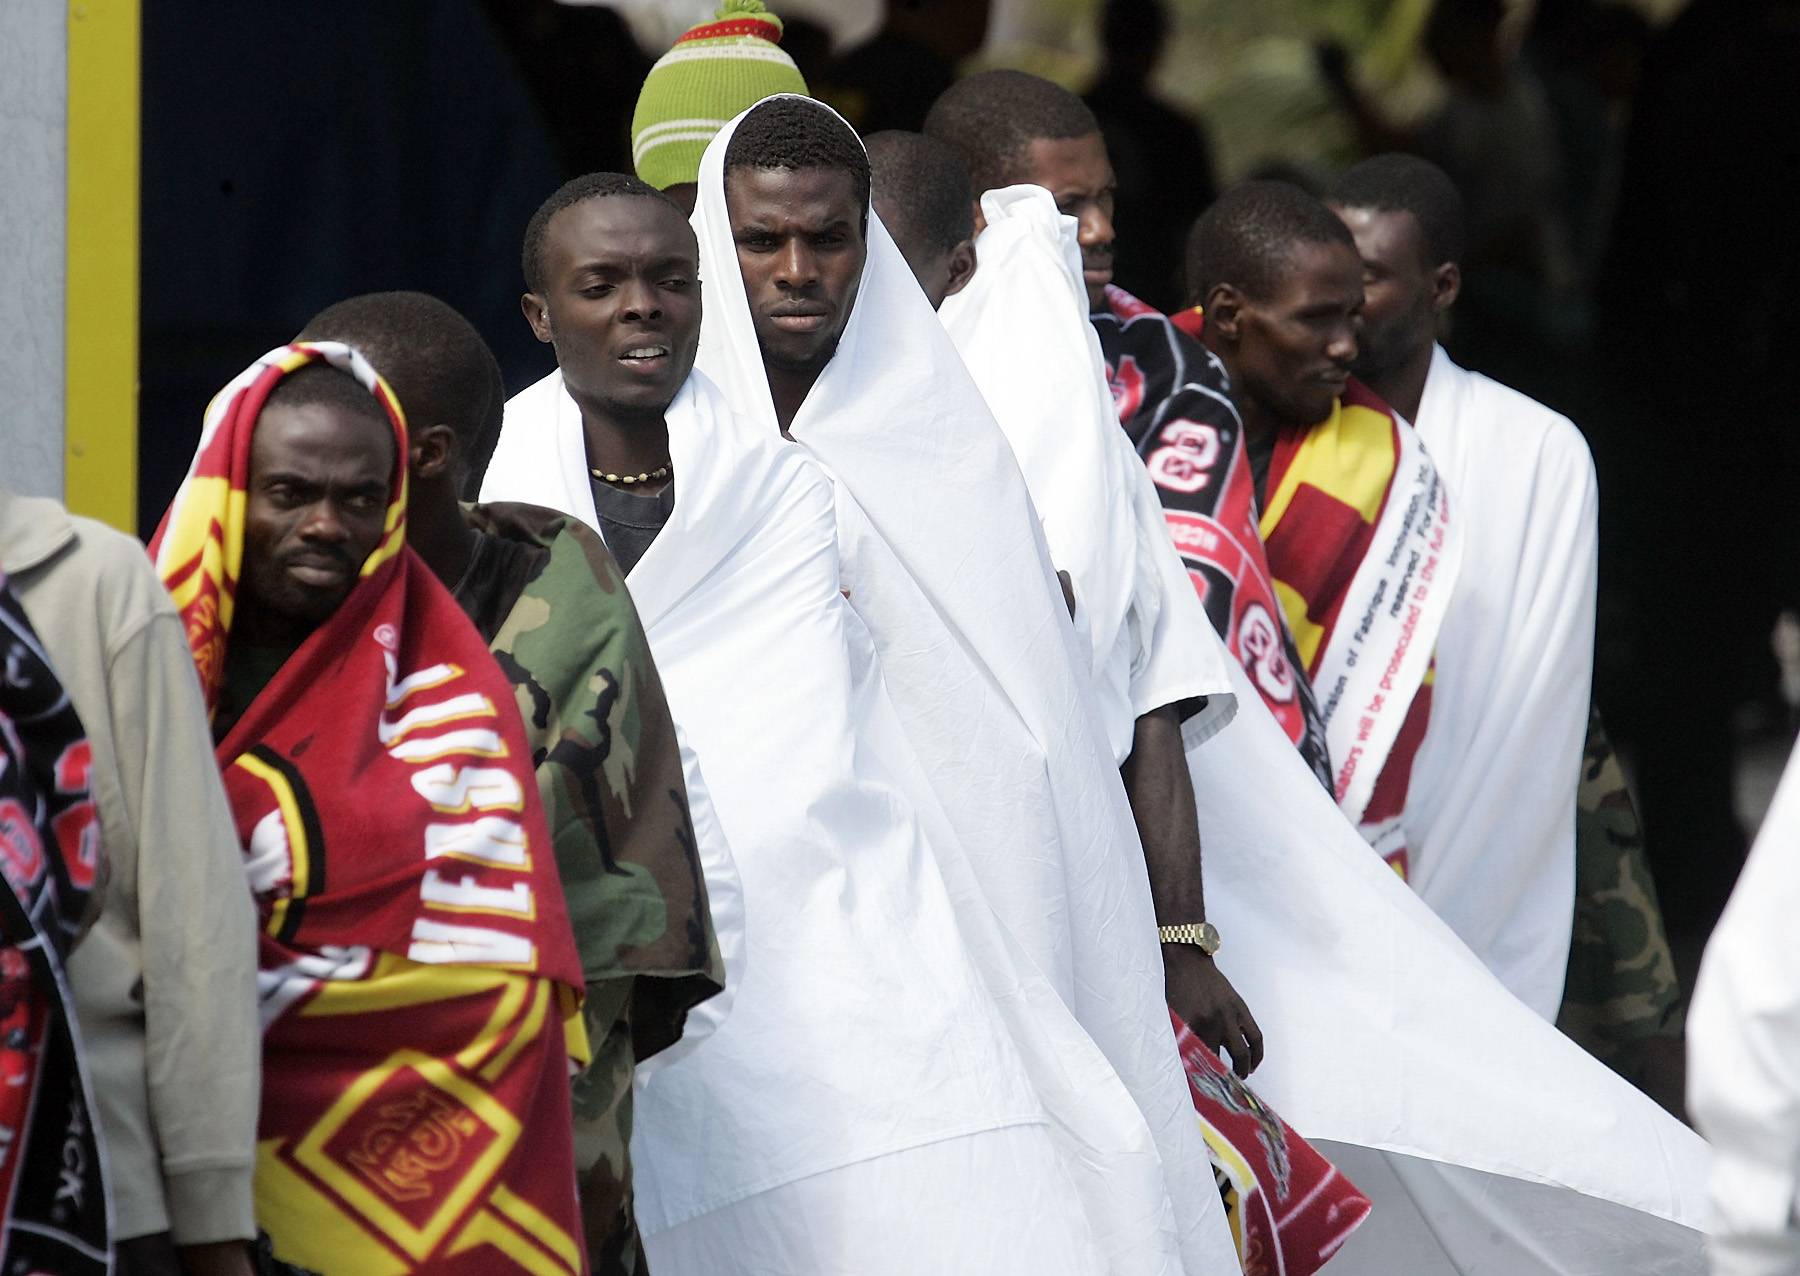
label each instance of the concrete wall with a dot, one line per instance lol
(33, 96)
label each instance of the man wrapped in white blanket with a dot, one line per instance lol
(820, 332)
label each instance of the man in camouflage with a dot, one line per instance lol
(1622, 1000)
(551, 603)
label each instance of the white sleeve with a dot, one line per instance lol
(1744, 1055)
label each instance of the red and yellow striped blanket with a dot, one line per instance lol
(1174, 404)
(1359, 535)
(1357, 527)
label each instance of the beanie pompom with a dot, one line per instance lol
(737, 18)
(745, 9)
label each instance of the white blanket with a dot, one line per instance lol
(1021, 327)
(1744, 1053)
(945, 562)
(859, 904)
(1491, 812)
(1488, 1141)
(860, 1026)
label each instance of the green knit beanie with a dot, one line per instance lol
(715, 70)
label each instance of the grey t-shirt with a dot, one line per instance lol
(629, 521)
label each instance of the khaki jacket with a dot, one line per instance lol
(165, 981)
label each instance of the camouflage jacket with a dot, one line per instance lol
(558, 619)
(609, 771)
(1622, 995)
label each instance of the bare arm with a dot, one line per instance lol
(221, 1258)
(1161, 794)
(156, 1255)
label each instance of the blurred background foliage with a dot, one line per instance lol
(1248, 69)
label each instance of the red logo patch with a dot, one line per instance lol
(21, 850)
(1127, 384)
(412, 1142)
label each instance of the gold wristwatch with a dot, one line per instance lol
(1202, 935)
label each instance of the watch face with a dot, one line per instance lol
(1209, 938)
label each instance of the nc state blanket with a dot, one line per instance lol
(53, 1194)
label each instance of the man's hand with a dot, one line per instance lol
(157, 1255)
(225, 1258)
(1162, 802)
(1199, 992)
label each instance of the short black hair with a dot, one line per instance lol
(1244, 239)
(796, 133)
(321, 384)
(922, 188)
(1395, 183)
(578, 190)
(431, 357)
(990, 119)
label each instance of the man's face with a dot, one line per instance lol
(940, 271)
(1399, 289)
(318, 500)
(800, 246)
(621, 302)
(1078, 175)
(1294, 349)
(930, 265)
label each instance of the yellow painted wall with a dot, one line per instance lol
(101, 283)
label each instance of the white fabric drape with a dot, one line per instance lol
(945, 563)
(1487, 1140)
(859, 1025)
(1491, 812)
(1021, 328)
(1744, 1053)
(823, 1062)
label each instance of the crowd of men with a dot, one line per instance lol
(782, 794)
